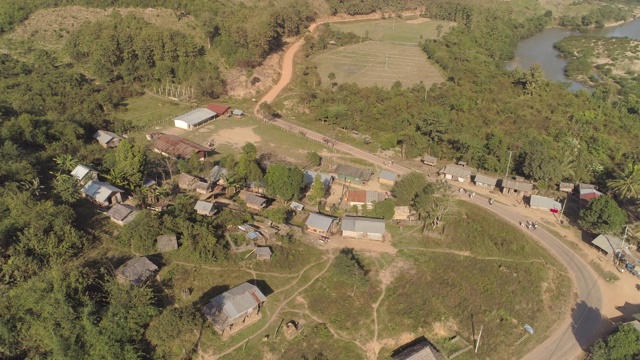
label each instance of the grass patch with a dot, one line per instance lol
(396, 30)
(378, 63)
(605, 274)
(149, 111)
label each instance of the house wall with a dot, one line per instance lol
(202, 212)
(181, 124)
(116, 198)
(362, 235)
(254, 207)
(374, 236)
(119, 222)
(316, 230)
(112, 144)
(514, 192)
(386, 182)
(483, 185)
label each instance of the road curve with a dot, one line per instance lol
(576, 332)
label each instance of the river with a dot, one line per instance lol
(538, 49)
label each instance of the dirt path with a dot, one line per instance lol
(242, 268)
(284, 303)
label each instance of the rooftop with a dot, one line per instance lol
(176, 146)
(218, 109)
(197, 116)
(319, 221)
(517, 185)
(80, 171)
(204, 206)
(224, 309)
(99, 190)
(419, 351)
(364, 196)
(456, 170)
(362, 224)
(388, 175)
(263, 251)
(217, 173)
(608, 243)
(137, 270)
(485, 179)
(310, 176)
(104, 136)
(120, 212)
(352, 171)
(167, 242)
(544, 202)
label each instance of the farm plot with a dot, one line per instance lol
(378, 63)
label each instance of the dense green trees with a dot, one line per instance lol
(603, 215)
(407, 187)
(284, 182)
(623, 344)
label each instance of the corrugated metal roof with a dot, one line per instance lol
(217, 173)
(354, 172)
(230, 306)
(218, 109)
(608, 243)
(80, 171)
(254, 235)
(196, 117)
(319, 221)
(361, 224)
(104, 136)
(484, 179)
(176, 146)
(388, 175)
(517, 185)
(203, 206)
(120, 211)
(238, 112)
(137, 270)
(589, 194)
(310, 176)
(167, 242)
(364, 196)
(420, 351)
(99, 190)
(456, 170)
(263, 251)
(429, 159)
(544, 202)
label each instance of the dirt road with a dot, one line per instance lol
(579, 329)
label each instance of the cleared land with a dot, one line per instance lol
(397, 30)
(378, 63)
(150, 111)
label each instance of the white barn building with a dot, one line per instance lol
(194, 118)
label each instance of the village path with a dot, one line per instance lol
(579, 328)
(282, 306)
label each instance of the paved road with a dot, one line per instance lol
(585, 323)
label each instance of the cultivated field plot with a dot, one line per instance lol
(150, 111)
(378, 63)
(411, 31)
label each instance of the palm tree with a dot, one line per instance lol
(66, 162)
(627, 181)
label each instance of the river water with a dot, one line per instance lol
(538, 49)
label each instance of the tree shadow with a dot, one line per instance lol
(587, 323)
(626, 312)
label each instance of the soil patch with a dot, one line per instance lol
(236, 137)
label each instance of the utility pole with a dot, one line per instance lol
(508, 164)
(478, 342)
(563, 206)
(626, 228)
(386, 64)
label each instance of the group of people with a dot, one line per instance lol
(531, 225)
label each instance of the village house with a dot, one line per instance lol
(205, 208)
(136, 271)
(167, 242)
(349, 173)
(456, 173)
(296, 206)
(252, 200)
(420, 351)
(543, 203)
(310, 176)
(387, 178)
(263, 253)
(178, 148)
(363, 228)
(232, 310)
(218, 175)
(609, 244)
(188, 182)
(238, 113)
(194, 118)
(586, 195)
(84, 174)
(107, 139)
(429, 160)
(320, 224)
(566, 187)
(122, 214)
(102, 193)
(220, 110)
(364, 197)
(485, 181)
(516, 188)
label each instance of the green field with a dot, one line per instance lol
(150, 110)
(378, 63)
(397, 30)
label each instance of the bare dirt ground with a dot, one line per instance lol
(242, 84)
(236, 137)
(370, 247)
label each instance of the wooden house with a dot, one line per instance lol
(122, 214)
(485, 181)
(429, 160)
(102, 193)
(320, 224)
(263, 253)
(456, 172)
(232, 310)
(136, 271)
(363, 228)
(205, 208)
(387, 178)
(516, 188)
(84, 174)
(107, 139)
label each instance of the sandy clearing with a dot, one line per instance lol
(236, 137)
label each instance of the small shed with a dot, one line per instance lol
(387, 178)
(320, 224)
(363, 228)
(456, 172)
(205, 208)
(107, 139)
(607, 243)
(136, 271)
(238, 113)
(122, 214)
(402, 213)
(516, 188)
(84, 173)
(586, 195)
(218, 175)
(429, 160)
(194, 118)
(263, 253)
(102, 193)
(253, 201)
(364, 197)
(235, 308)
(485, 181)
(310, 176)
(296, 206)
(423, 350)
(543, 203)
(167, 242)
(218, 109)
(566, 187)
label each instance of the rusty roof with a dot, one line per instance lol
(176, 146)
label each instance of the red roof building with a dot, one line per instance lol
(218, 109)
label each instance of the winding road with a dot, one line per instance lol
(579, 328)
